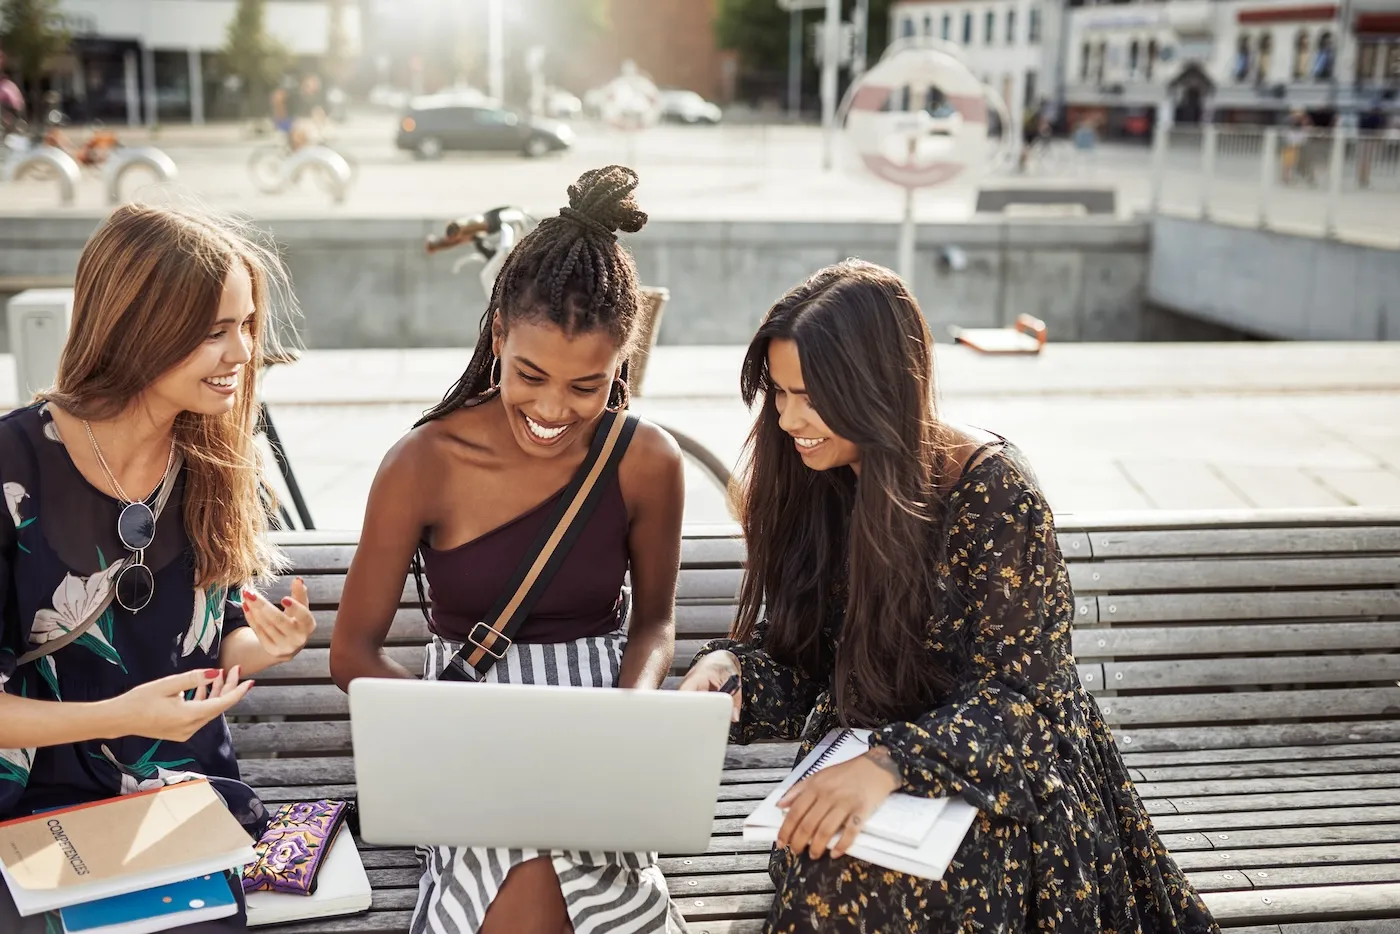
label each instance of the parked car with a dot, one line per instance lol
(561, 105)
(431, 130)
(688, 107)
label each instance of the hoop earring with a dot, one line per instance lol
(625, 395)
(494, 379)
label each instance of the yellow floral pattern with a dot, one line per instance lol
(1062, 841)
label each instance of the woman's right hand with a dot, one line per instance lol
(158, 709)
(712, 673)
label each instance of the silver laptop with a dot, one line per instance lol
(514, 765)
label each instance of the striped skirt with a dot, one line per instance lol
(617, 893)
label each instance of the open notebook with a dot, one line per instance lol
(918, 836)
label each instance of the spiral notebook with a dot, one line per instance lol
(918, 836)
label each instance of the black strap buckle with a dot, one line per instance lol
(476, 640)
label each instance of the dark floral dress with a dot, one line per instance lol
(57, 543)
(1062, 842)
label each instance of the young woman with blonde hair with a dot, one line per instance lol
(135, 518)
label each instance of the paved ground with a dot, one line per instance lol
(726, 172)
(1108, 427)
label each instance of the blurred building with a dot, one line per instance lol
(671, 40)
(1236, 61)
(1012, 45)
(427, 45)
(161, 59)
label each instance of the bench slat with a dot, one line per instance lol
(1220, 672)
(1153, 739)
(1264, 754)
(1270, 785)
(1265, 769)
(1142, 709)
(1227, 542)
(1118, 608)
(1323, 875)
(1351, 900)
(1232, 574)
(376, 922)
(1284, 836)
(1193, 641)
(1310, 817)
(1269, 858)
(1282, 800)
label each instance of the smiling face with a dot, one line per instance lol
(819, 446)
(553, 386)
(207, 381)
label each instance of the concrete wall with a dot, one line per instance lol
(367, 283)
(1275, 285)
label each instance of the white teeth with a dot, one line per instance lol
(228, 382)
(544, 434)
(808, 442)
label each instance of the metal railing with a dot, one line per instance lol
(1332, 182)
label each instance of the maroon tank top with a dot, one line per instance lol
(582, 600)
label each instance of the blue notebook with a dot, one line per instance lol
(205, 898)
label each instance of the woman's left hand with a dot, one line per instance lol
(281, 633)
(836, 800)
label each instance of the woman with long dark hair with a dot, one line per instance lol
(903, 576)
(468, 491)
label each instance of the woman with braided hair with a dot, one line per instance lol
(467, 491)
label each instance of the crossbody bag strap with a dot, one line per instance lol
(114, 571)
(488, 640)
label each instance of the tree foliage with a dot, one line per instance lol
(34, 33)
(251, 53)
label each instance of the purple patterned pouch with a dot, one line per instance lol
(290, 853)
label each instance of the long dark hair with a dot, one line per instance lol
(867, 362)
(569, 271)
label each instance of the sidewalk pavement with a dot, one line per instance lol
(1106, 426)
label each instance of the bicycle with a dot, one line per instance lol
(265, 163)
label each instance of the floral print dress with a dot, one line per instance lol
(57, 545)
(1062, 841)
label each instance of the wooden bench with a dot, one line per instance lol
(1246, 662)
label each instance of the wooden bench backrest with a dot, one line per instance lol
(1196, 633)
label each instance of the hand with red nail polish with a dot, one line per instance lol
(282, 633)
(160, 710)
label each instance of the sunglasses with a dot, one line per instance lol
(136, 585)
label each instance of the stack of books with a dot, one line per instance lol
(158, 860)
(131, 865)
(917, 836)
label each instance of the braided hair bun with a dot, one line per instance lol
(601, 200)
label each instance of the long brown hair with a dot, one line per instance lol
(145, 296)
(867, 362)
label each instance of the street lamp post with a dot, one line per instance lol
(831, 60)
(495, 50)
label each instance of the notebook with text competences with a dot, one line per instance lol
(79, 854)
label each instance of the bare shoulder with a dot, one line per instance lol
(425, 453)
(652, 466)
(968, 441)
(653, 445)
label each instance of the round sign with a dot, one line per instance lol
(921, 118)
